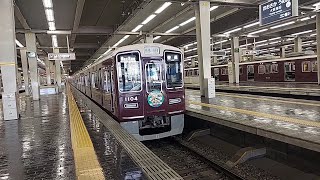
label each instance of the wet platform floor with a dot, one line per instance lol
(38, 145)
(273, 117)
(286, 88)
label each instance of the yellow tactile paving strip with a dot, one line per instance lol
(86, 161)
(259, 114)
(269, 99)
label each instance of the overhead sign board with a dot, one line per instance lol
(61, 56)
(218, 53)
(276, 10)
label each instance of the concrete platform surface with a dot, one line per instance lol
(285, 88)
(292, 121)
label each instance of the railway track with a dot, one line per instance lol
(187, 162)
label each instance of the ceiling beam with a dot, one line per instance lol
(77, 18)
(93, 30)
(20, 17)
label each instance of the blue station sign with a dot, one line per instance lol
(276, 10)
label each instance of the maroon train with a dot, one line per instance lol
(142, 85)
(294, 69)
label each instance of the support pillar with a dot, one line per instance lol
(318, 42)
(48, 73)
(57, 73)
(297, 44)
(283, 52)
(25, 70)
(33, 65)
(235, 58)
(202, 13)
(8, 61)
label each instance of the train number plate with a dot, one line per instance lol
(131, 98)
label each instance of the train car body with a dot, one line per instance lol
(294, 69)
(142, 86)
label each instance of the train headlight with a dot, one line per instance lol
(175, 101)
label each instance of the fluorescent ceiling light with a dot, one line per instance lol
(172, 29)
(49, 14)
(232, 31)
(219, 42)
(313, 34)
(163, 7)
(148, 19)
(137, 28)
(259, 31)
(125, 37)
(316, 4)
(252, 24)
(47, 3)
(157, 37)
(303, 32)
(305, 18)
(281, 25)
(262, 45)
(213, 8)
(19, 43)
(54, 41)
(52, 26)
(274, 38)
(121, 40)
(261, 41)
(187, 21)
(191, 50)
(275, 42)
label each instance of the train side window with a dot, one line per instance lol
(268, 68)
(261, 69)
(93, 82)
(306, 66)
(129, 72)
(173, 70)
(86, 80)
(105, 81)
(314, 66)
(274, 68)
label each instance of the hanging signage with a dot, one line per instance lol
(276, 10)
(61, 56)
(218, 53)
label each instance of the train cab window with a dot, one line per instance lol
(129, 72)
(154, 77)
(173, 70)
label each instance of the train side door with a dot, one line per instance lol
(250, 72)
(154, 95)
(289, 71)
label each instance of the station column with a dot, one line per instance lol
(235, 58)
(57, 72)
(318, 41)
(8, 61)
(48, 73)
(283, 52)
(202, 14)
(33, 64)
(297, 44)
(25, 70)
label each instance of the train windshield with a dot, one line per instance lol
(174, 70)
(129, 72)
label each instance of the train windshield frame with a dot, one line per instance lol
(129, 72)
(174, 70)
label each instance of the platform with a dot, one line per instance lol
(38, 146)
(282, 88)
(292, 121)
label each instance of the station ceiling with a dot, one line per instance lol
(97, 25)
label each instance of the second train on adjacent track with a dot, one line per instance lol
(142, 86)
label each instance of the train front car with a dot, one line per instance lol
(151, 90)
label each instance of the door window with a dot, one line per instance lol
(153, 77)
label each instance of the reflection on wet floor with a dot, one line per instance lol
(113, 159)
(37, 146)
(255, 105)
